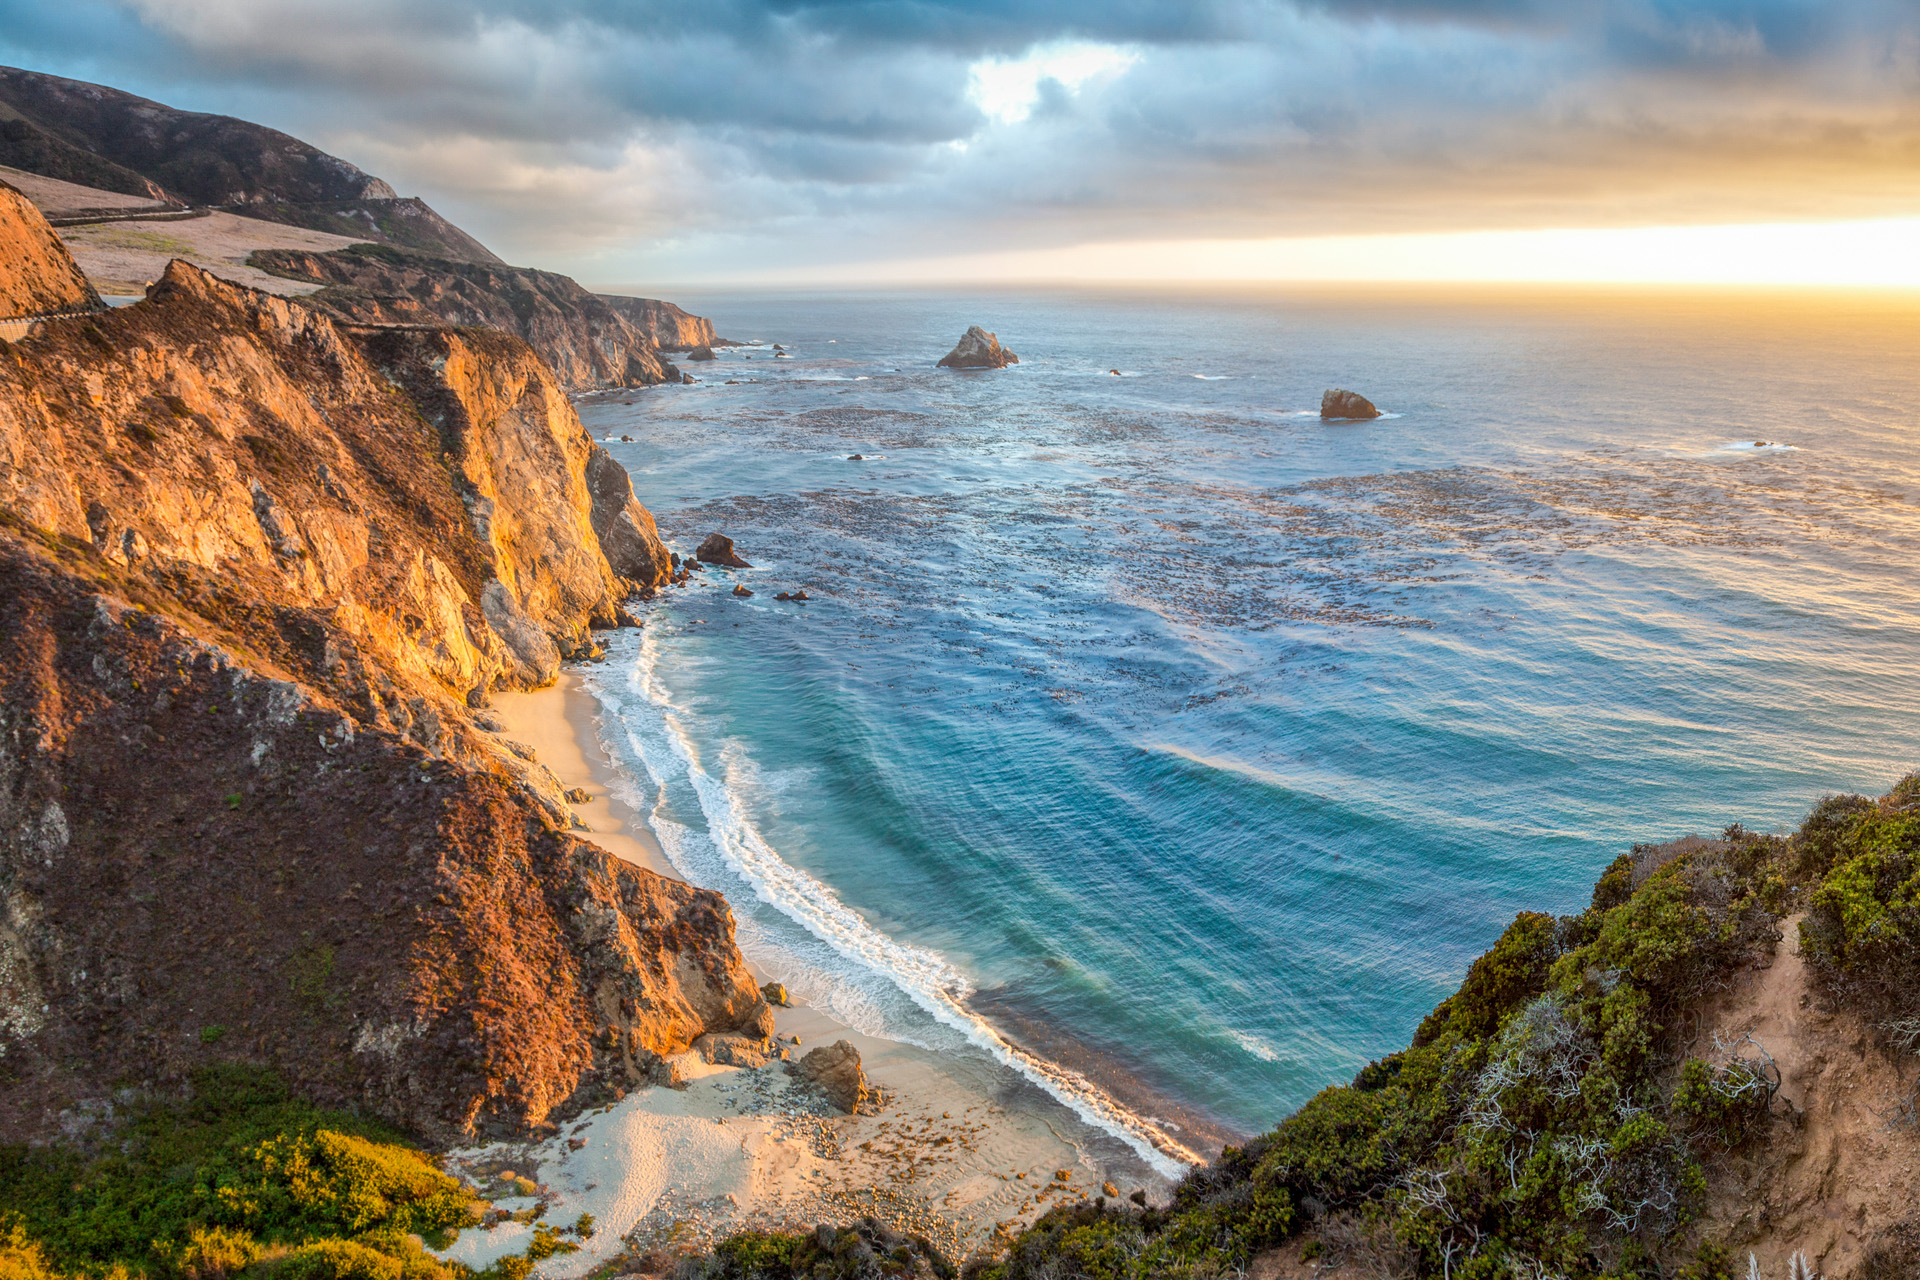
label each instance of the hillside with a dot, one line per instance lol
(99, 137)
(1716, 1061)
(590, 342)
(259, 572)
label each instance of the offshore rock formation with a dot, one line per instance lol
(978, 349)
(717, 548)
(255, 568)
(102, 137)
(670, 328)
(1342, 405)
(589, 343)
(42, 278)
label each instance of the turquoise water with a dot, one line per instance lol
(1182, 750)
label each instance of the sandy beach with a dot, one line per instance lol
(959, 1146)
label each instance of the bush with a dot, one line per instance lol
(1540, 1124)
(228, 1179)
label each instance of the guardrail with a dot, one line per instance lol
(89, 217)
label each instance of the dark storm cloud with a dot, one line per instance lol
(608, 132)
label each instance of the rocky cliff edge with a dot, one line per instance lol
(258, 573)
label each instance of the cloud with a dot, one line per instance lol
(620, 138)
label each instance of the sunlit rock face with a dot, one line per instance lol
(39, 276)
(258, 575)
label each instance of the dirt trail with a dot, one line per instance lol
(1834, 1173)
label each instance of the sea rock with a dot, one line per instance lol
(978, 349)
(741, 590)
(701, 353)
(1338, 404)
(856, 457)
(776, 993)
(717, 548)
(801, 595)
(835, 1071)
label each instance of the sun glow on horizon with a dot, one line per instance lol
(1880, 253)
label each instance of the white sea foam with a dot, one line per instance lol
(1254, 1045)
(657, 734)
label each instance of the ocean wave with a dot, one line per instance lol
(1759, 446)
(658, 736)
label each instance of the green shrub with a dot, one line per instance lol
(212, 1185)
(211, 1253)
(1499, 982)
(1540, 1124)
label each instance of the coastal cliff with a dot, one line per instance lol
(588, 342)
(666, 325)
(260, 571)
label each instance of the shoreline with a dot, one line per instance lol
(959, 1146)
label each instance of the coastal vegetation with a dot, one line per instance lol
(1557, 1115)
(237, 1177)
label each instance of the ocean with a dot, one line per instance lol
(1180, 749)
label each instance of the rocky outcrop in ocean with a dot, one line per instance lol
(1338, 404)
(978, 349)
(717, 548)
(257, 570)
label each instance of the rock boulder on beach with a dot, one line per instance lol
(717, 548)
(978, 349)
(1338, 404)
(835, 1071)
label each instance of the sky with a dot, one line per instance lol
(851, 141)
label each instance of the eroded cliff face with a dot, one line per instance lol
(203, 860)
(670, 328)
(40, 276)
(589, 344)
(257, 573)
